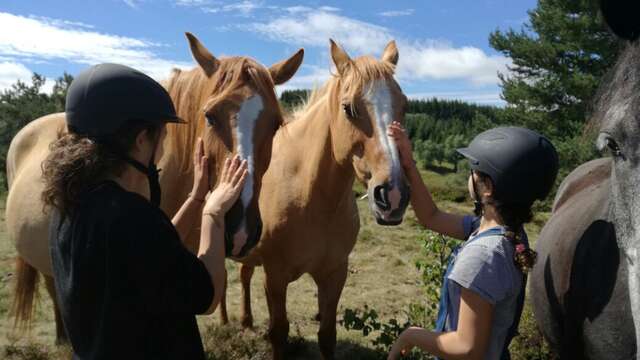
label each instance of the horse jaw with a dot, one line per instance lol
(625, 211)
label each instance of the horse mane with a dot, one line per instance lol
(191, 90)
(360, 72)
(620, 84)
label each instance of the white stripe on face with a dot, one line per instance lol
(379, 96)
(247, 117)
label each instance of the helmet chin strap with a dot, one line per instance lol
(152, 172)
(478, 207)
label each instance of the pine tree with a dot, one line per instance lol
(557, 59)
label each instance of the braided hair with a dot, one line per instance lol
(513, 217)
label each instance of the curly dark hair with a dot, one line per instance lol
(76, 163)
(513, 217)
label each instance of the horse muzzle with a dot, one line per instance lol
(242, 232)
(388, 203)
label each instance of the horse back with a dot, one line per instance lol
(583, 177)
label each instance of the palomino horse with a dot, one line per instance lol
(229, 102)
(585, 287)
(309, 213)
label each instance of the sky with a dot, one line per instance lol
(443, 44)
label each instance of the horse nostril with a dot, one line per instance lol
(380, 196)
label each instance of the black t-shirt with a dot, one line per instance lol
(126, 286)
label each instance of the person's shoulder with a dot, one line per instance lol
(113, 202)
(489, 245)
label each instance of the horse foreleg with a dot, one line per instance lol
(224, 317)
(61, 335)
(329, 290)
(276, 291)
(246, 273)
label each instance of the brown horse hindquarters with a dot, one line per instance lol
(579, 300)
(27, 224)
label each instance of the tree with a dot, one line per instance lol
(23, 103)
(557, 59)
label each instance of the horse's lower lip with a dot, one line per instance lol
(384, 222)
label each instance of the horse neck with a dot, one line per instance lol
(327, 176)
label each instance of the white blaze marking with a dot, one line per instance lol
(380, 98)
(247, 117)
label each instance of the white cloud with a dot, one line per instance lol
(444, 62)
(36, 39)
(314, 28)
(244, 8)
(12, 72)
(308, 77)
(329, 8)
(133, 3)
(419, 60)
(192, 2)
(396, 13)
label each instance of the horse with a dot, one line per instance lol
(585, 286)
(309, 212)
(228, 102)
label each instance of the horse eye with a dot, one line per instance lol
(210, 119)
(613, 146)
(350, 111)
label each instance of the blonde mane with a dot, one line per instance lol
(358, 74)
(190, 90)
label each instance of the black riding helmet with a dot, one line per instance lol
(522, 164)
(107, 97)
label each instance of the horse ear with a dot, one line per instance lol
(340, 57)
(390, 53)
(282, 71)
(622, 17)
(203, 57)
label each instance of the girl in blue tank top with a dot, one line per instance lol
(484, 285)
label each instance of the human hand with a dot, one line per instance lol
(397, 132)
(401, 346)
(200, 173)
(234, 173)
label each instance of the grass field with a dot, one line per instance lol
(382, 275)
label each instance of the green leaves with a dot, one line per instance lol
(23, 103)
(557, 61)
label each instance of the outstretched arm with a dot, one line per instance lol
(427, 212)
(185, 220)
(212, 251)
(469, 341)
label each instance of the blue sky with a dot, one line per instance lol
(444, 49)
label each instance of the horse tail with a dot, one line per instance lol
(25, 293)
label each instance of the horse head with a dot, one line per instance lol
(615, 113)
(236, 112)
(369, 99)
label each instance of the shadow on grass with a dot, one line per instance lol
(232, 342)
(34, 352)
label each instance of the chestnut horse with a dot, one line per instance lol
(309, 213)
(229, 102)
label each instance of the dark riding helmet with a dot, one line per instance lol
(522, 164)
(105, 97)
